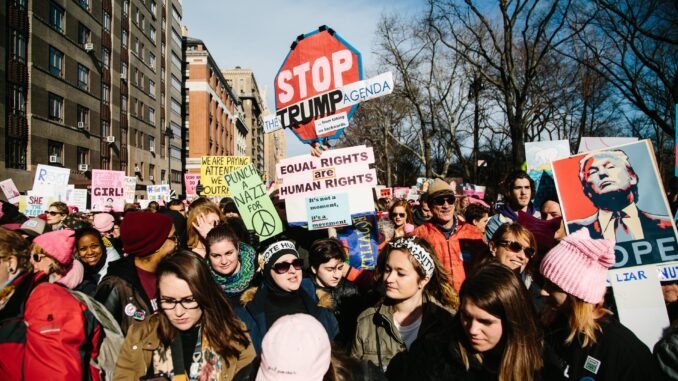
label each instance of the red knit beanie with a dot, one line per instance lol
(143, 233)
(58, 245)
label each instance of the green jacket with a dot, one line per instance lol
(375, 324)
(142, 340)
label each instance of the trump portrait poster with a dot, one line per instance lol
(616, 193)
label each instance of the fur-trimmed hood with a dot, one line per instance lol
(324, 298)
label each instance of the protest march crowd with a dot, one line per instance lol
(462, 290)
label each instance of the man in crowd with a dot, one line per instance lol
(609, 181)
(446, 233)
(550, 209)
(518, 190)
(128, 290)
(422, 213)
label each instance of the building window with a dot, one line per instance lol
(176, 176)
(151, 115)
(55, 150)
(83, 117)
(163, 24)
(123, 70)
(105, 93)
(152, 34)
(151, 172)
(136, 45)
(105, 57)
(123, 103)
(20, 4)
(176, 106)
(176, 37)
(56, 61)
(137, 16)
(105, 129)
(84, 4)
(175, 15)
(83, 156)
(176, 130)
(104, 162)
(56, 17)
(143, 22)
(123, 39)
(84, 34)
(175, 152)
(135, 107)
(18, 46)
(163, 174)
(176, 83)
(56, 107)
(18, 100)
(176, 61)
(153, 7)
(151, 88)
(125, 8)
(15, 153)
(107, 22)
(151, 143)
(83, 77)
(151, 60)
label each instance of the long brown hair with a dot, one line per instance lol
(439, 286)
(497, 290)
(205, 208)
(408, 210)
(220, 326)
(14, 245)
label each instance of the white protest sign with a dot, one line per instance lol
(47, 174)
(588, 144)
(640, 302)
(331, 123)
(77, 198)
(295, 207)
(271, 123)
(130, 187)
(10, 190)
(328, 211)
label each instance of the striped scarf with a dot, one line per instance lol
(235, 284)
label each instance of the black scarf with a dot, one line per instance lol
(279, 302)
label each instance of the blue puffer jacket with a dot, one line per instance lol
(253, 315)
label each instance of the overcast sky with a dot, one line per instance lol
(256, 34)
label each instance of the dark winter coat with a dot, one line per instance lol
(122, 294)
(347, 304)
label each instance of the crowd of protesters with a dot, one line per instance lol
(462, 290)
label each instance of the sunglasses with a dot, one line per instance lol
(37, 257)
(517, 248)
(440, 201)
(283, 267)
(399, 215)
(51, 213)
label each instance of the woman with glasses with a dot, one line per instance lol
(231, 262)
(42, 326)
(283, 291)
(195, 336)
(513, 246)
(495, 336)
(94, 254)
(56, 213)
(53, 254)
(419, 303)
(400, 214)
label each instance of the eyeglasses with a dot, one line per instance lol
(440, 201)
(187, 303)
(517, 248)
(283, 267)
(53, 213)
(399, 215)
(37, 257)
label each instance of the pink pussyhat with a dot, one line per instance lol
(578, 265)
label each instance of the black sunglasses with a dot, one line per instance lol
(517, 248)
(53, 213)
(440, 201)
(399, 214)
(283, 267)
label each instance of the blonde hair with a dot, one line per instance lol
(202, 208)
(584, 320)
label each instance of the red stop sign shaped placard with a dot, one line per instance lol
(305, 85)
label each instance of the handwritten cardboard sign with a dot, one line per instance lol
(10, 190)
(191, 180)
(213, 169)
(108, 190)
(253, 203)
(130, 189)
(49, 175)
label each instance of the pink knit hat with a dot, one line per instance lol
(295, 348)
(58, 245)
(578, 265)
(103, 222)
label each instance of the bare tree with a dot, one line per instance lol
(507, 46)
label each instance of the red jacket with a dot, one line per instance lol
(45, 344)
(449, 250)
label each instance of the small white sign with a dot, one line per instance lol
(331, 123)
(367, 89)
(272, 123)
(10, 191)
